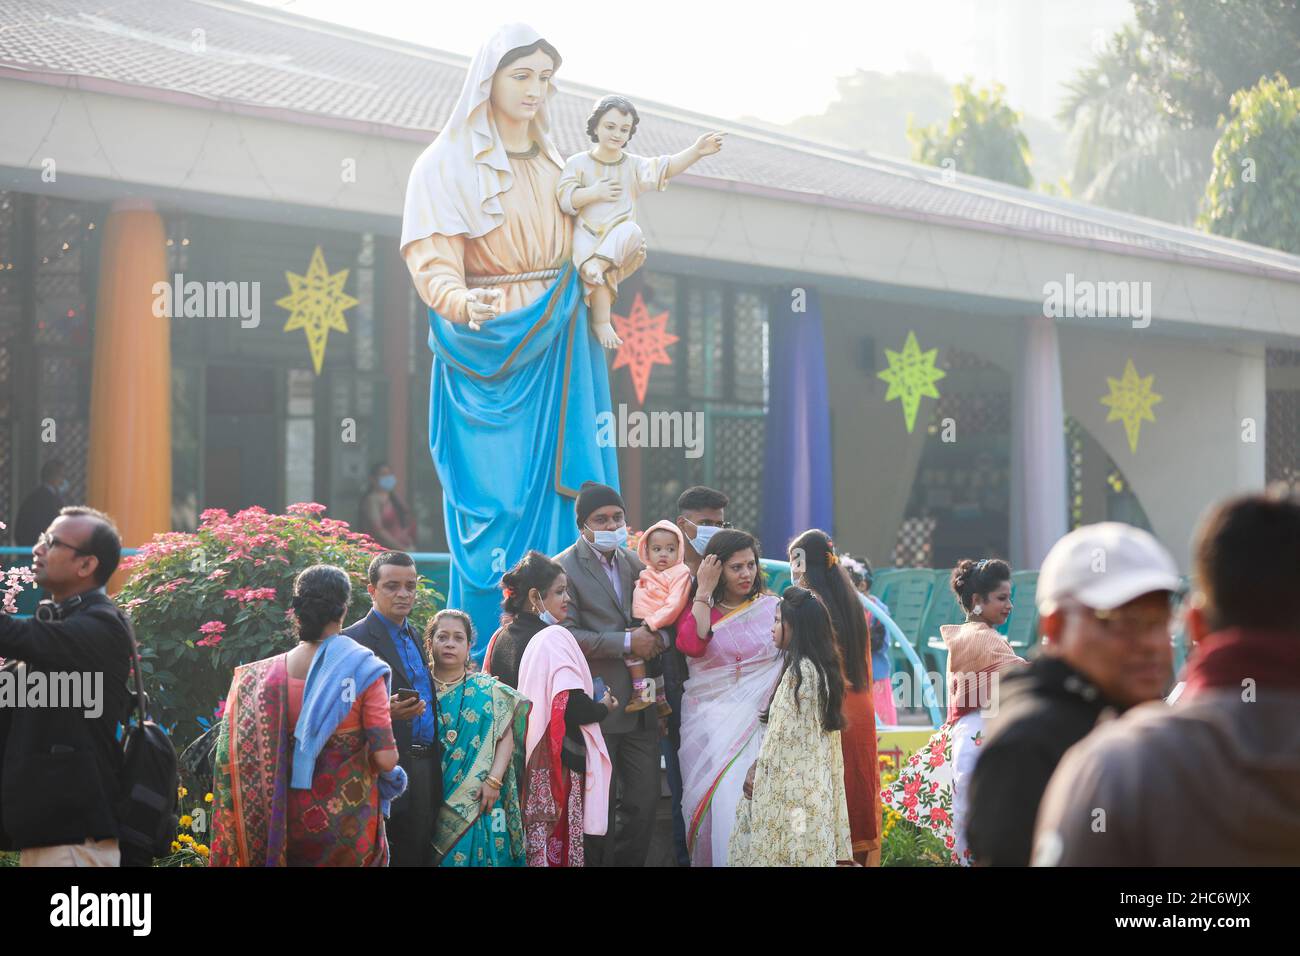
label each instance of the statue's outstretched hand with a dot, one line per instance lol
(709, 143)
(482, 305)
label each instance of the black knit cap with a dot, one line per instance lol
(592, 496)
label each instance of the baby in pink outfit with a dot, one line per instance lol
(660, 595)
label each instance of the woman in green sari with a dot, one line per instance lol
(482, 724)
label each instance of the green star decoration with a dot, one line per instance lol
(316, 303)
(911, 376)
(1130, 401)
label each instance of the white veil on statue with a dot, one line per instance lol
(455, 184)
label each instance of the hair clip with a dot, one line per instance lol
(507, 593)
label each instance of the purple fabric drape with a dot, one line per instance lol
(798, 493)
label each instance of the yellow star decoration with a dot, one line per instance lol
(316, 302)
(911, 376)
(1130, 401)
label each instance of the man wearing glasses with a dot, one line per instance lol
(1106, 596)
(1216, 773)
(59, 765)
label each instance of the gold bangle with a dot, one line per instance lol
(494, 781)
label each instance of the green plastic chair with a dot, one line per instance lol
(777, 574)
(906, 592)
(1021, 628)
(944, 609)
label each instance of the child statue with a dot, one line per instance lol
(599, 188)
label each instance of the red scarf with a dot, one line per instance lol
(1225, 658)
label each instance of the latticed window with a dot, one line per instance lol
(720, 373)
(1282, 438)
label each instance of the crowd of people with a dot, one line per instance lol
(382, 743)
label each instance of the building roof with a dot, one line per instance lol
(230, 55)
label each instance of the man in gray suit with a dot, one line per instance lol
(601, 574)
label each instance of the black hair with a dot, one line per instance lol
(519, 52)
(812, 638)
(52, 468)
(972, 577)
(534, 570)
(431, 628)
(398, 559)
(823, 573)
(105, 544)
(320, 596)
(603, 106)
(724, 544)
(701, 498)
(1247, 562)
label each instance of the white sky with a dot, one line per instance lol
(774, 60)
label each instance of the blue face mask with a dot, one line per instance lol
(548, 618)
(388, 482)
(609, 540)
(703, 533)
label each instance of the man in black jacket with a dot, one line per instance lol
(1104, 595)
(59, 754)
(387, 631)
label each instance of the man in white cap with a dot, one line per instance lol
(1213, 780)
(1105, 603)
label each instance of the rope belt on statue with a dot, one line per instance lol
(480, 281)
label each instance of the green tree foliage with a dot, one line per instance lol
(1254, 191)
(1142, 117)
(982, 137)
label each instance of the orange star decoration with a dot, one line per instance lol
(645, 342)
(316, 303)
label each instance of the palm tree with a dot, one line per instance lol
(1130, 153)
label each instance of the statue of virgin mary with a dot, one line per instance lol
(518, 379)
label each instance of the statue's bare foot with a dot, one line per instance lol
(607, 336)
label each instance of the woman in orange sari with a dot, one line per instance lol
(815, 565)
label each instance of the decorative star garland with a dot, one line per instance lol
(316, 303)
(645, 343)
(911, 376)
(1130, 401)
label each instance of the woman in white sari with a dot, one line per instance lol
(726, 635)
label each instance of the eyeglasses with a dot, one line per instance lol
(49, 541)
(1129, 623)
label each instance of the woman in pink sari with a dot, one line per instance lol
(726, 635)
(567, 770)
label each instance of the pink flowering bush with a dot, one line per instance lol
(13, 582)
(205, 602)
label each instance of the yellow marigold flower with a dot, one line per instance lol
(176, 847)
(202, 850)
(182, 792)
(207, 798)
(185, 838)
(186, 820)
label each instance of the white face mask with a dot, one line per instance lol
(607, 541)
(703, 534)
(548, 618)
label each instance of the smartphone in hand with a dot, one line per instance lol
(598, 689)
(407, 693)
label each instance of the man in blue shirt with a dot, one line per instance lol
(388, 632)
